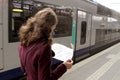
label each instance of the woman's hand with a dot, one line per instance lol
(68, 63)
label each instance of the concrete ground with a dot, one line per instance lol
(105, 65)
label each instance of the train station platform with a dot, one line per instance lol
(104, 65)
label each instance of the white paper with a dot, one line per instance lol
(62, 52)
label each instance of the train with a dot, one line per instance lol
(84, 26)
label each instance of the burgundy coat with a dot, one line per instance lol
(37, 64)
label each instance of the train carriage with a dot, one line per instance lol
(84, 26)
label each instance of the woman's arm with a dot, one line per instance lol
(44, 66)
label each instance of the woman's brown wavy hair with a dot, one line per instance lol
(38, 27)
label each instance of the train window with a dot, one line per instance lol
(97, 18)
(21, 10)
(64, 26)
(83, 32)
(110, 19)
(82, 14)
(113, 20)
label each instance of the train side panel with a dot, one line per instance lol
(10, 58)
(1, 39)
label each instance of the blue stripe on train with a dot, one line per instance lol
(95, 48)
(12, 74)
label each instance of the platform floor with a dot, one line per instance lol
(105, 65)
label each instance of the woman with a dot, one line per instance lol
(35, 48)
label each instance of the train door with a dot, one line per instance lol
(1, 52)
(83, 37)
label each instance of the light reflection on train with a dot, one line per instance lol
(85, 27)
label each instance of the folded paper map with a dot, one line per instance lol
(62, 52)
